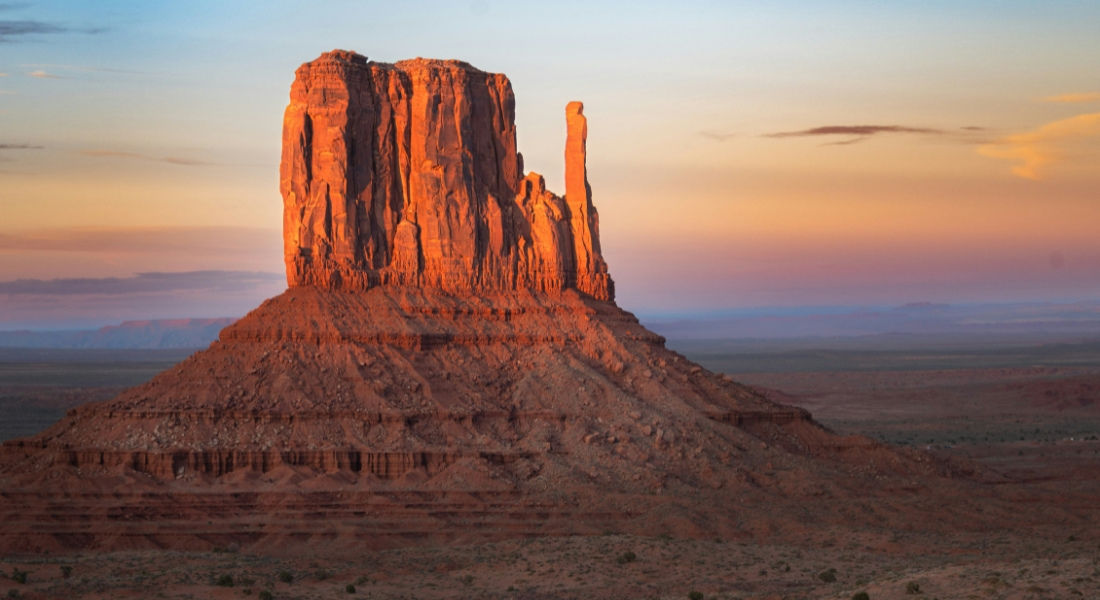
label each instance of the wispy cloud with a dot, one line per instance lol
(854, 133)
(1035, 150)
(9, 30)
(716, 135)
(13, 30)
(92, 302)
(174, 160)
(216, 241)
(1079, 98)
(80, 68)
(3, 74)
(142, 283)
(39, 74)
(19, 147)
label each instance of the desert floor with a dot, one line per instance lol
(1029, 415)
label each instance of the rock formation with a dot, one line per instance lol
(448, 363)
(408, 174)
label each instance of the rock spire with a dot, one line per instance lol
(408, 174)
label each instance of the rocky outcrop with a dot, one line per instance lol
(408, 174)
(590, 267)
(447, 363)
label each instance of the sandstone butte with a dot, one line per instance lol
(448, 363)
(408, 174)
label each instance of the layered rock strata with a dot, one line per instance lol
(448, 363)
(399, 415)
(408, 174)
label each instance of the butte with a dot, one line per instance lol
(447, 364)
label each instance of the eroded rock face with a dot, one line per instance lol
(578, 196)
(408, 174)
(378, 401)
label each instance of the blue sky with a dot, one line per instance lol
(144, 137)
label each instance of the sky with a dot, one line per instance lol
(741, 154)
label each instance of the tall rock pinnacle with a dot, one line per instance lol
(578, 196)
(408, 174)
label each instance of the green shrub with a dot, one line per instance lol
(224, 580)
(286, 577)
(828, 576)
(66, 571)
(860, 596)
(266, 595)
(626, 557)
(349, 588)
(694, 595)
(912, 588)
(18, 576)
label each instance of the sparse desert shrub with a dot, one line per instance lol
(266, 595)
(286, 577)
(14, 593)
(828, 575)
(349, 588)
(860, 596)
(467, 579)
(66, 571)
(912, 588)
(626, 557)
(322, 575)
(695, 595)
(18, 576)
(224, 580)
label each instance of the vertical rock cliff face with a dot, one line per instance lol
(578, 197)
(408, 174)
(418, 383)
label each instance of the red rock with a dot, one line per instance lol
(591, 271)
(408, 174)
(448, 364)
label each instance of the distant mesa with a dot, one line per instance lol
(150, 334)
(448, 364)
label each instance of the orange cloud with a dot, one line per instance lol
(175, 160)
(1074, 98)
(1037, 149)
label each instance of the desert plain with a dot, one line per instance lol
(1025, 416)
(448, 402)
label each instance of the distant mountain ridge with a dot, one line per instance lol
(1054, 320)
(147, 334)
